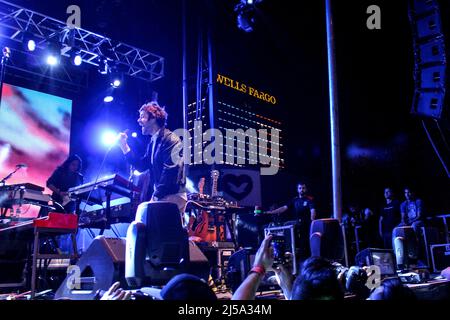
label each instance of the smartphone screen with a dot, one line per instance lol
(279, 248)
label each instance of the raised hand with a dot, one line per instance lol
(116, 293)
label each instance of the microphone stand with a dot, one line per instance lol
(107, 213)
(3, 181)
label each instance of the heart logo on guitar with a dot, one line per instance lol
(238, 187)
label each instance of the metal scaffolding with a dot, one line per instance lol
(94, 49)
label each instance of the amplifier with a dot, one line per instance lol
(218, 257)
(440, 256)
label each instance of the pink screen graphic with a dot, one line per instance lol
(34, 130)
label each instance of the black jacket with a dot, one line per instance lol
(166, 176)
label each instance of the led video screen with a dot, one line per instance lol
(34, 131)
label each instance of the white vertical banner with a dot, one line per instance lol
(242, 186)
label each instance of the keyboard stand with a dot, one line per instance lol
(48, 232)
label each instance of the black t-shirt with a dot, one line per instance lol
(300, 208)
(391, 216)
(64, 180)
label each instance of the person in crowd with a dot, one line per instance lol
(392, 289)
(187, 287)
(262, 263)
(412, 214)
(317, 279)
(446, 273)
(116, 293)
(412, 211)
(390, 217)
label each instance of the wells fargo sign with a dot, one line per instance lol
(242, 87)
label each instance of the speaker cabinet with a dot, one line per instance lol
(198, 263)
(98, 268)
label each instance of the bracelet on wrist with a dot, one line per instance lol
(259, 270)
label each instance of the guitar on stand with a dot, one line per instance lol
(219, 221)
(200, 232)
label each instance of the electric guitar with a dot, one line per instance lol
(215, 178)
(200, 231)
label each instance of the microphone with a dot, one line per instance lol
(21, 165)
(6, 52)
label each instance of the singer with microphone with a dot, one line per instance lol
(66, 176)
(167, 178)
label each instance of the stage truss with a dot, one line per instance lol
(15, 21)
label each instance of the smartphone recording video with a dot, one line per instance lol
(278, 244)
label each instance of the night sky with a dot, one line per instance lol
(381, 142)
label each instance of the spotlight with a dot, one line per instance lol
(115, 78)
(53, 53)
(31, 45)
(103, 67)
(116, 83)
(134, 134)
(109, 138)
(52, 60)
(137, 173)
(75, 58)
(108, 99)
(245, 15)
(28, 41)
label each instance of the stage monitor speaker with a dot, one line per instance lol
(98, 268)
(327, 240)
(440, 256)
(249, 229)
(198, 263)
(383, 258)
(13, 257)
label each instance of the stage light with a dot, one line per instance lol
(134, 134)
(115, 78)
(75, 58)
(245, 21)
(53, 53)
(29, 42)
(137, 173)
(116, 83)
(108, 99)
(109, 138)
(31, 45)
(52, 60)
(245, 15)
(103, 67)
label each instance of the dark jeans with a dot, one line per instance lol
(387, 240)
